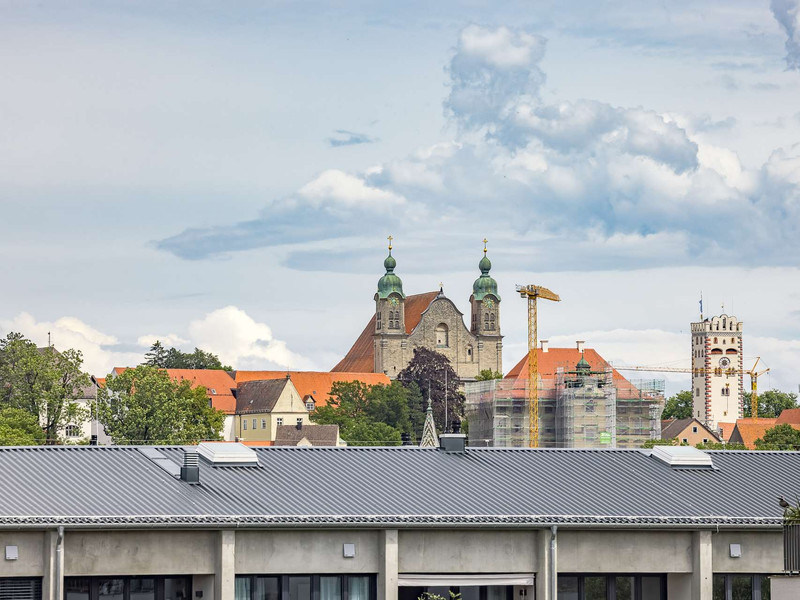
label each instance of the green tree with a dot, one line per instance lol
(368, 433)
(678, 406)
(429, 370)
(720, 446)
(770, 403)
(145, 405)
(487, 374)
(44, 382)
(172, 358)
(780, 437)
(19, 428)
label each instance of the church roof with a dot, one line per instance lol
(361, 356)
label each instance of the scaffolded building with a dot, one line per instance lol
(579, 408)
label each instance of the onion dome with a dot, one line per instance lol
(583, 365)
(390, 283)
(485, 284)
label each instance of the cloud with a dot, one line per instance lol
(241, 341)
(607, 186)
(228, 332)
(787, 13)
(350, 138)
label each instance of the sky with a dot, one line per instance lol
(226, 175)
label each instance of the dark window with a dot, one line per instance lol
(20, 588)
(127, 588)
(305, 587)
(612, 587)
(740, 587)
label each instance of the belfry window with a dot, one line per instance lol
(378, 320)
(491, 322)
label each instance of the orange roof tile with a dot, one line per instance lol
(567, 358)
(361, 356)
(726, 429)
(748, 430)
(790, 415)
(219, 385)
(313, 383)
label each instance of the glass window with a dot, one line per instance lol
(718, 587)
(267, 588)
(496, 592)
(567, 588)
(176, 588)
(358, 588)
(299, 588)
(330, 588)
(651, 588)
(263, 423)
(766, 593)
(242, 588)
(76, 588)
(110, 589)
(742, 587)
(624, 588)
(594, 588)
(244, 424)
(142, 589)
(279, 420)
(254, 424)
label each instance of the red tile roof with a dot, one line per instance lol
(361, 357)
(726, 429)
(313, 383)
(219, 385)
(567, 358)
(748, 430)
(790, 415)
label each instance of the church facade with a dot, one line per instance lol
(430, 320)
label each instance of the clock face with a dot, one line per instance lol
(394, 301)
(489, 302)
(724, 362)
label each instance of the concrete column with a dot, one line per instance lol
(50, 585)
(542, 566)
(387, 576)
(225, 574)
(702, 568)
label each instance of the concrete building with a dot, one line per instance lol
(583, 403)
(225, 522)
(430, 320)
(717, 370)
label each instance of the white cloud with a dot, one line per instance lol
(169, 340)
(348, 190)
(243, 342)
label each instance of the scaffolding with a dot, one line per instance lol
(576, 410)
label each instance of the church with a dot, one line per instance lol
(429, 320)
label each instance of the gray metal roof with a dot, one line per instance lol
(118, 486)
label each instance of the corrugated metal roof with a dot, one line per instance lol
(355, 486)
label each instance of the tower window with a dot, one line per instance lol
(491, 322)
(378, 324)
(442, 336)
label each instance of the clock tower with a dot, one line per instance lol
(390, 316)
(717, 370)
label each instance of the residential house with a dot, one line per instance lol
(263, 406)
(748, 430)
(308, 435)
(225, 522)
(687, 431)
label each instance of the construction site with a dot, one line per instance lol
(581, 404)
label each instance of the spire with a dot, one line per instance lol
(429, 436)
(485, 284)
(390, 283)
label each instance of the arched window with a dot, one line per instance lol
(378, 320)
(486, 321)
(491, 322)
(442, 336)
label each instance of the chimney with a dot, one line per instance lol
(545, 345)
(580, 344)
(453, 443)
(299, 425)
(190, 470)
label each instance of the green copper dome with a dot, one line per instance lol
(484, 284)
(583, 364)
(390, 283)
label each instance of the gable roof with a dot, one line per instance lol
(121, 486)
(726, 429)
(674, 427)
(317, 435)
(361, 356)
(790, 415)
(259, 396)
(219, 385)
(567, 358)
(748, 430)
(316, 384)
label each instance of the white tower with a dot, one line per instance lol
(717, 377)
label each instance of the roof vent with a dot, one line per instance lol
(683, 457)
(190, 470)
(227, 454)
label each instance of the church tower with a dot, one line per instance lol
(485, 324)
(717, 375)
(390, 301)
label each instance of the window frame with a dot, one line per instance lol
(159, 580)
(611, 583)
(755, 582)
(283, 583)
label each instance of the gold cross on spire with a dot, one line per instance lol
(390, 238)
(485, 241)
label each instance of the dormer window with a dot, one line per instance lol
(309, 405)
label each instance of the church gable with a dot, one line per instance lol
(441, 313)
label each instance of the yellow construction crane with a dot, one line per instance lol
(754, 375)
(533, 293)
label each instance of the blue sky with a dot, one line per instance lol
(226, 175)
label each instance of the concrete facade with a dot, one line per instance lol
(213, 558)
(717, 370)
